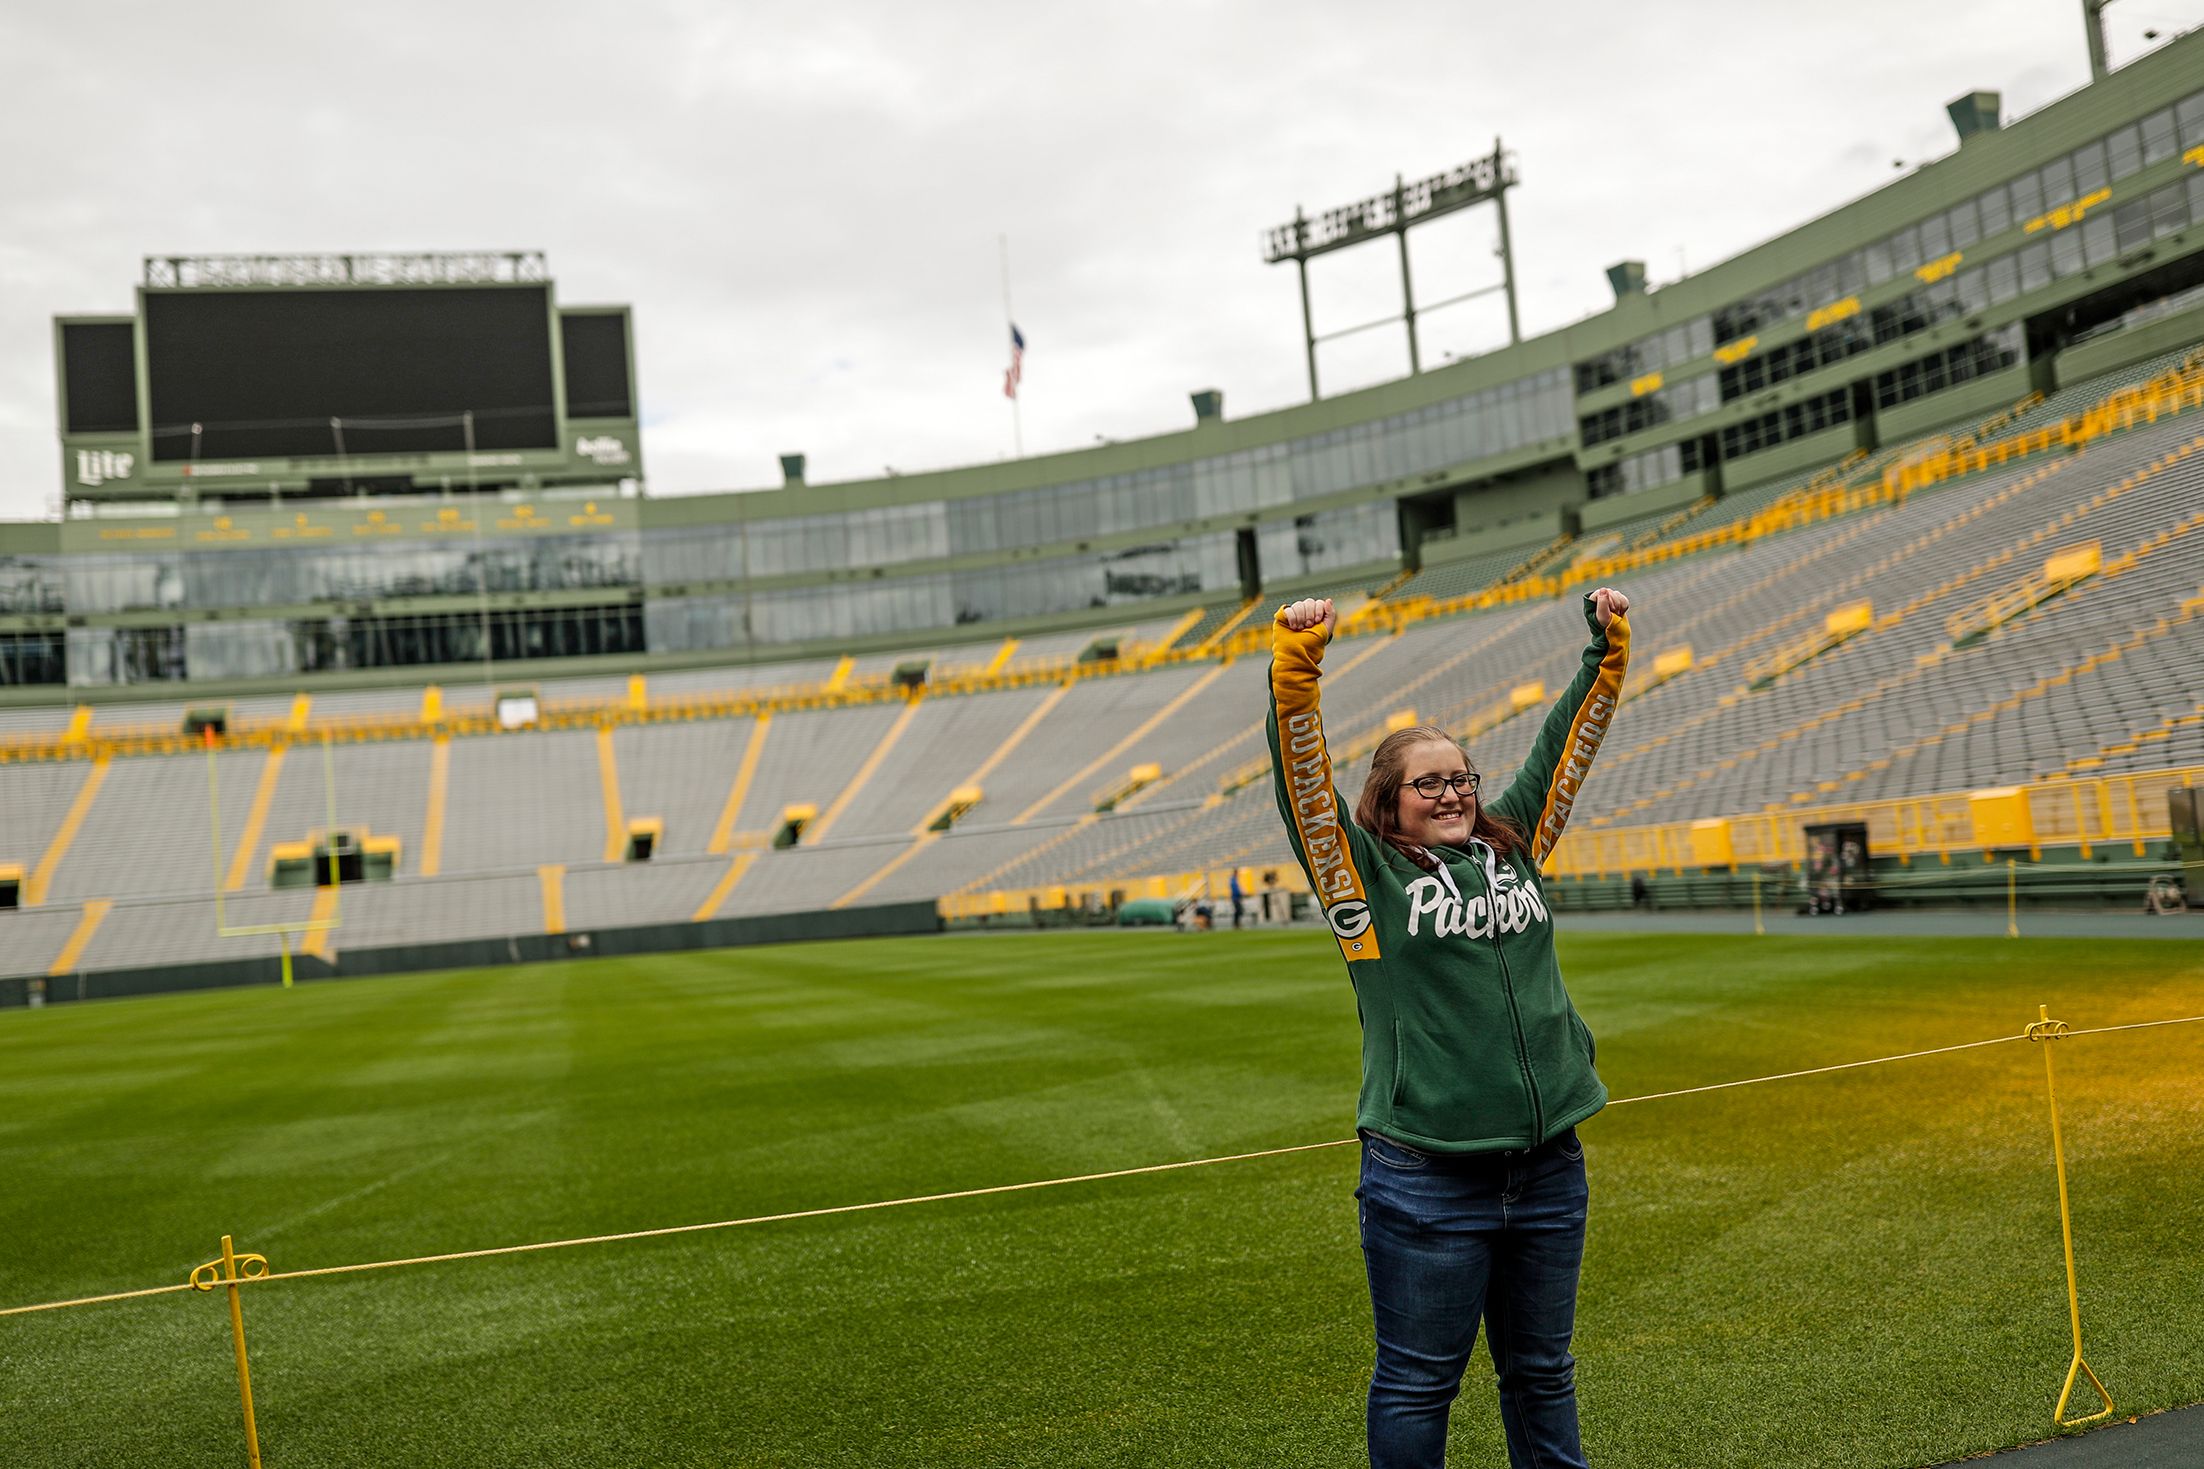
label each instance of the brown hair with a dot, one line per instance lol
(1378, 812)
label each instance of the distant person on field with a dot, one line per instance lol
(1239, 896)
(1475, 1067)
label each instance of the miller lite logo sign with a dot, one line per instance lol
(601, 449)
(97, 466)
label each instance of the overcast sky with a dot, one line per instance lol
(803, 202)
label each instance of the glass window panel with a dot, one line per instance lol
(239, 650)
(1935, 239)
(1851, 275)
(2089, 169)
(1878, 262)
(2158, 138)
(2099, 240)
(1905, 250)
(2169, 209)
(2190, 113)
(1996, 209)
(1974, 291)
(1962, 222)
(2131, 223)
(2035, 266)
(2027, 197)
(2066, 252)
(2057, 179)
(2003, 275)
(1820, 286)
(2124, 151)
(2196, 196)
(31, 584)
(1362, 466)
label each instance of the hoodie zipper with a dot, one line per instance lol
(1515, 1014)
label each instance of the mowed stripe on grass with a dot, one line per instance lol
(1859, 1269)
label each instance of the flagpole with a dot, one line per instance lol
(1017, 425)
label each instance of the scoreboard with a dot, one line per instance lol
(270, 378)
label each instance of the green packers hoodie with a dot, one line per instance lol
(1469, 1042)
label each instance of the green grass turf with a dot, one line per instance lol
(1854, 1270)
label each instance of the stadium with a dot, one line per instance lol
(361, 651)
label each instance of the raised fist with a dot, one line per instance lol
(1310, 611)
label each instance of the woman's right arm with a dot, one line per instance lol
(1301, 772)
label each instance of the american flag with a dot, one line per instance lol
(1016, 372)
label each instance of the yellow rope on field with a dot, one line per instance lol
(1011, 1188)
(121, 1295)
(1997, 1040)
(1811, 1071)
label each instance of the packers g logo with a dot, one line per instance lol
(1349, 920)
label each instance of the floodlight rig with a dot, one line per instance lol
(1479, 181)
(2093, 31)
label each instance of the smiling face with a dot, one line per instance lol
(1445, 821)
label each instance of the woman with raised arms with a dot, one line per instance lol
(1475, 1067)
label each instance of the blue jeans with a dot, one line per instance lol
(1453, 1238)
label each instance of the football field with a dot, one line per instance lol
(1854, 1269)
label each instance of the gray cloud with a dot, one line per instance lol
(803, 202)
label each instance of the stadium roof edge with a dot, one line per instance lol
(1346, 410)
(1985, 161)
(30, 537)
(1989, 159)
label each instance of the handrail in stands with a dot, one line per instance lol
(2062, 811)
(1823, 497)
(2059, 812)
(2061, 571)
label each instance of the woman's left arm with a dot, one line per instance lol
(1545, 787)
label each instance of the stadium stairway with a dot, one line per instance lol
(1937, 538)
(683, 774)
(511, 834)
(1902, 669)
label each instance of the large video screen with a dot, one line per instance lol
(310, 373)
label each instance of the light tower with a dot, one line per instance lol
(1479, 181)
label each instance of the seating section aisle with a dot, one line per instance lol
(1893, 711)
(1101, 773)
(682, 774)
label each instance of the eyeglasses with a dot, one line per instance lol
(1464, 783)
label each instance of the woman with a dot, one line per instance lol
(1475, 1067)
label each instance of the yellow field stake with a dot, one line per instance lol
(227, 1272)
(2044, 1028)
(2012, 909)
